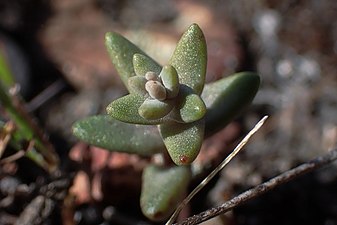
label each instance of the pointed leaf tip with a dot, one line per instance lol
(190, 58)
(183, 140)
(121, 52)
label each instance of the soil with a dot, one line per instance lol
(56, 49)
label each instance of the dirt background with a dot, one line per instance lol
(57, 53)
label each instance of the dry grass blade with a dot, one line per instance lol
(237, 149)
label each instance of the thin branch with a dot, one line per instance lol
(237, 149)
(19, 154)
(48, 93)
(263, 188)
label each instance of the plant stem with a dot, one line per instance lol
(27, 129)
(262, 188)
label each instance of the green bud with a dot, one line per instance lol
(189, 106)
(152, 109)
(170, 79)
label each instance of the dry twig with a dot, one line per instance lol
(262, 188)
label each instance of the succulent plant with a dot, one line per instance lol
(168, 108)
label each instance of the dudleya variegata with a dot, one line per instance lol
(175, 99)
(168, 96)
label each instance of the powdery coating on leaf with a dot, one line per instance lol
(121, 52)
(193, 109)
(137, 84)
(189, 106)
(190, 59)
(183, 141)
(108, 133)
(152, 109)
(126, 109)
(170, 80)
(143, 64)
(162, 190)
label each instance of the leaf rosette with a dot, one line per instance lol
(176, 100)
(167, 96)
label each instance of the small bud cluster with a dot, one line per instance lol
(154, 86)
(159, 90)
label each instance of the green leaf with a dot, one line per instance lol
(227, 98)
(170, 79)
(125, 109)
(190, 59)
(183, 140)
(189, 107)
(121, 52)
(193, 108)
(143, 64)
(153, 109)
(162, 189)
(106, 132)
(137, 85)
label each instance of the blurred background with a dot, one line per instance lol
(56, 51)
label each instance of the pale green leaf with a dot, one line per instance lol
(183, 140)
(153, 109)
(137, 85)
(126, 108)
(227, 98)
(170, 79)
(106, 132)
(189, 107)
(190, 59)
(121, 52)
(162, 189)
(143, 64)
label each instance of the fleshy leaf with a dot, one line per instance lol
(126, 108)
(143, 64)
(106, 132)
(170, 79)
(121, 52)
(190, 59)
(183, 140)
(162, 189)
(189, 106)
(227, 98)
(137, 85)
(153, 109)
